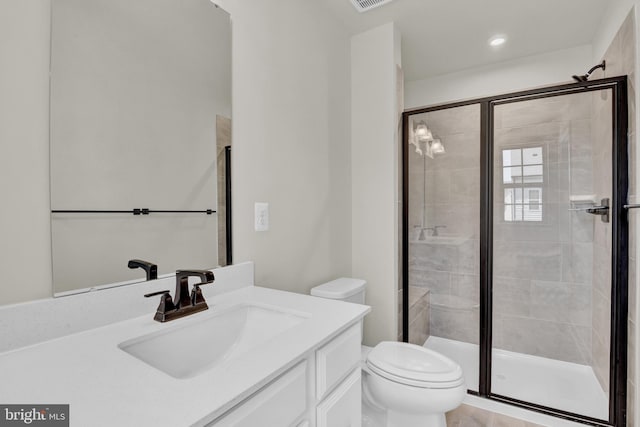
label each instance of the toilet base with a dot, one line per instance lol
(371, 417)
(401, 419)
(374, 416)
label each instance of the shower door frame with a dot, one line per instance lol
(619, 250)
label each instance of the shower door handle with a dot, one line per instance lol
(602, 210)
(598, 210)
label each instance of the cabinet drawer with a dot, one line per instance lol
(279, 404)
(336, 359)
(343, 407)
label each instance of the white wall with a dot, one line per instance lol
(615, 14)
(374, 156)
(25, 255)
(503, 77)
(291, 141)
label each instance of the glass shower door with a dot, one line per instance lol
(552, 165)
(443, 162)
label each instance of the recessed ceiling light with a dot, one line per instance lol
(497, 40)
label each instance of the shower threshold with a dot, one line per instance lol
(552, 383)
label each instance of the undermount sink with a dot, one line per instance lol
(197, 346)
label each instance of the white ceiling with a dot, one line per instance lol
(442, 36)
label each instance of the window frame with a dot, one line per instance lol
(542, 186)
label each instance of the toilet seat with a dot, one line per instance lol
(413, 365)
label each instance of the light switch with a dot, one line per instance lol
(261, 216)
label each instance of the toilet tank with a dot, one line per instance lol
(344, 289)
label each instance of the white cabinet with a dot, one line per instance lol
(342, 408)
(338, 379)
(322, 391)
(280, 403)
(336, 359)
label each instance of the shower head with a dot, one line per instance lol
(585, 77)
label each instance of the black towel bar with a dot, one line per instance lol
(136, 211)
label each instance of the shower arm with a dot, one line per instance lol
(602, 65)
(585, 77)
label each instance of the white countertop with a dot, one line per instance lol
(105, 386)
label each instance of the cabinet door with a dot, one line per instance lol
(279, 404)
(336, 359)
(343, 407)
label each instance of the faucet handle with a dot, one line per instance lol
(166, 304)
(196, 295)
(153, 294)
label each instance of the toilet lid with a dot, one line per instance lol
(414, 365)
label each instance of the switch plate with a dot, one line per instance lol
(261, 218)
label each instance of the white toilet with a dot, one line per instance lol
(411, 386)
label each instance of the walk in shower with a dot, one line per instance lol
(515, 243)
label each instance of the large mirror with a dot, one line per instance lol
(140, 138)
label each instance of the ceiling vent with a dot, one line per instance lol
(365, 5)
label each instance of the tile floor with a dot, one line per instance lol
(469, 416)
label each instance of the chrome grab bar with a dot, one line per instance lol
(632, 206)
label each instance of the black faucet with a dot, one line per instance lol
(150, 268)
(183, 298)
(184, 303)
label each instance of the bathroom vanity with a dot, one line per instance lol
(257, 357)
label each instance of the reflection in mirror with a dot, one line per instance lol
(140, 119)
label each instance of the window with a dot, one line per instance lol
(523, 179)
